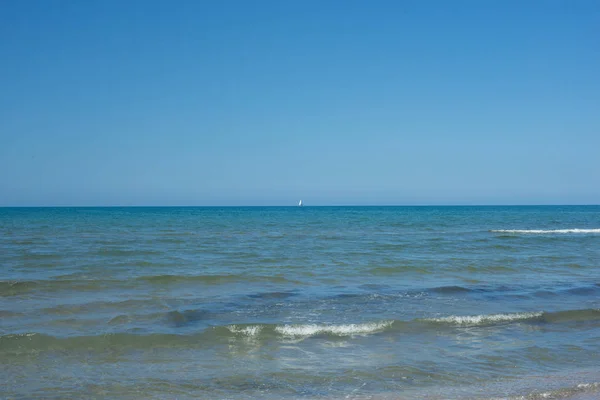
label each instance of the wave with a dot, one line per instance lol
(7, 314)
(547, 231)
(213, 279)
(116, 252)
(480, 320)
(34, 342)
(251, 330)
(336, 330)
(304, 331)
(590, 314)
(578, 391)
(40, 257)
(272, 295)
(182, 318)
(517, 290)
(451, 289)
(584, 315)
(401, 269)
(18, 287)
(8, 288)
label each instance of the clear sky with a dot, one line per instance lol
(268, 102)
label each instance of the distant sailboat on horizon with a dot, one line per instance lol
(300, 203)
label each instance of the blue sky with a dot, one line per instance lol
(269, 102)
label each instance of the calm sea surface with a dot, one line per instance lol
(300, 303)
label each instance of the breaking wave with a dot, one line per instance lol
(546, 231)
(475, 320)
(337, 330)
(34, 342)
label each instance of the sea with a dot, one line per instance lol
(306, 302)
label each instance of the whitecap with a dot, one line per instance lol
(338, 330)
(474, 320)
(252, 330)
(546, 231)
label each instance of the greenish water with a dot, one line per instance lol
(300, 302)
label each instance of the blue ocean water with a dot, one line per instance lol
(300, 302)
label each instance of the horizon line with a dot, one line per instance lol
(303, 206)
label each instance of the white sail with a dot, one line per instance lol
(300, 203)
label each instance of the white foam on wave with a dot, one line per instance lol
(339, 330)
(252, 330)
(594, 385)
(546, 231)
(474, 320)
(580, 391)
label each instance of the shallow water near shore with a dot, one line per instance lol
(300, 302)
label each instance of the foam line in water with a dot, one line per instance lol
(579, 391)
(475, 320)
(338, 330)
(32, 342)
(252, 330)
(546, 231)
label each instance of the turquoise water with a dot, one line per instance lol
(300, 302)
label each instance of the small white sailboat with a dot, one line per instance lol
(300, 203)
